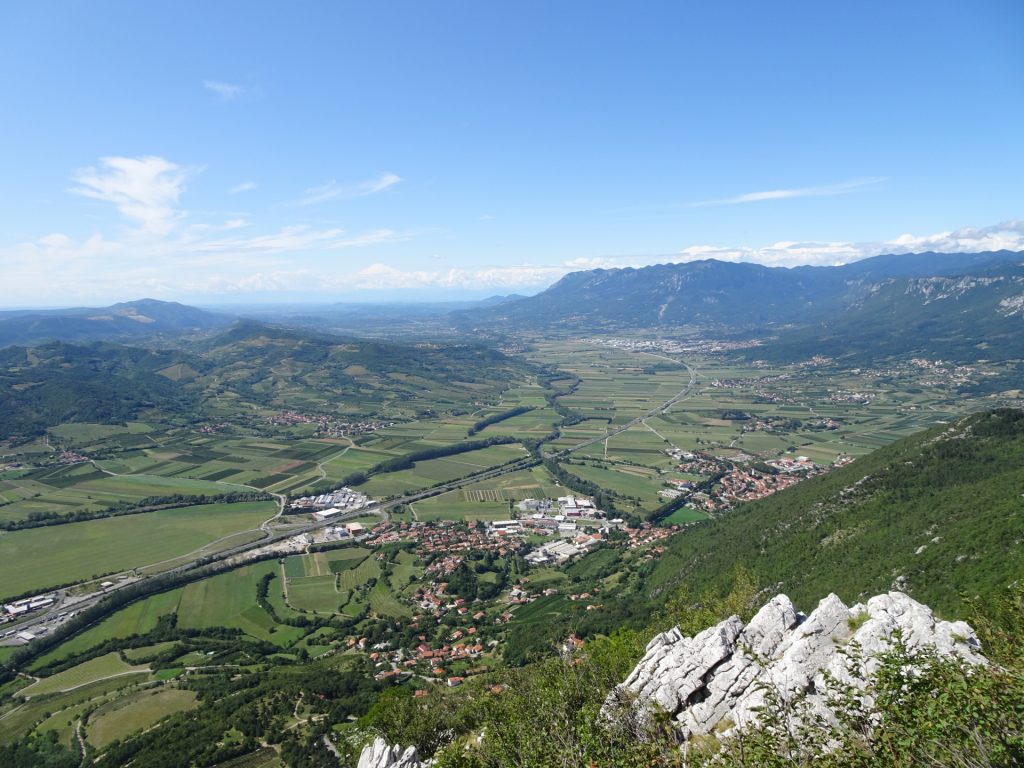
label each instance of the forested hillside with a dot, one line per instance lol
(249, 366)
(58, 383)
(146, 318)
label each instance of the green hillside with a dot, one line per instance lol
(252, 366)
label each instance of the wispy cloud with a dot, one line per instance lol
(824, 190)
(332, 190)
(298, 238)
(144, 189)
(245, 186)
(226, 91)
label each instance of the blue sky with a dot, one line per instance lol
(215, 152)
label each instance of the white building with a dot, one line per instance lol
(324, 514)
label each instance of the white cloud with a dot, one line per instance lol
(226, 91)
(785, 194)
(1007, 235)
(144, 189)
(333, 190)
(245, 186)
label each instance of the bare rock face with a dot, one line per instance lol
(713, 682)
(380, 754)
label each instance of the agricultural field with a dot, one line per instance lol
(431, 472)
(136, 619)
(229, 600)
(39, 558)
(135, 712)
(343, 582)
(742, 413)
(63, 707)
(94, 670)
(164, 463)
(489, 499)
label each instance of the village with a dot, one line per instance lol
(328, 426)
(731, 481)
(452, 634)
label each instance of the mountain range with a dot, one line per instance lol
(963, 307)
(970, 303)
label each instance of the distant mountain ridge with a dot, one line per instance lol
(712, 293)
(127, 320)
(973, 302)
(963, 317)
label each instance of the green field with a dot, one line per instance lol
(431, 472)
(447, 506)
(229, 600)
(26, 714)
(39, 558)
(91, 671)
(137, 619)
(384, 603)
(136, 712)
(685, 515)
(315, 593)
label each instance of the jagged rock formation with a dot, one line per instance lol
(380, 754)
(714, 681)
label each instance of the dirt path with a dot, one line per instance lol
(145, 671)
(284, 586)
(79, 740)
(320, 464)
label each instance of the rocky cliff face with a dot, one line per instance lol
(713, 682)
(380, 754)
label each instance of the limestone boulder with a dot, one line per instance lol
(716, 680)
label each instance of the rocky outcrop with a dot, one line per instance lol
(380, 754)
(715, 681)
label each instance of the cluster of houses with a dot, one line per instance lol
(327, 426)
(848, 397)
(674, 346)
(949, 374)
(736, 482)
(449, 538)
(648, 534)
(792, 466)
(750, 485)
(426, 660)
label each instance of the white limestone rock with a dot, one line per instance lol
(380, 754)
(716, 680)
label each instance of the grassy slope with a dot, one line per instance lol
(941, 511)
